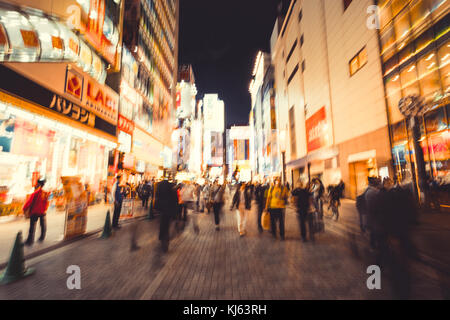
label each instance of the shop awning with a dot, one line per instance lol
(322, 154)
(362, 156)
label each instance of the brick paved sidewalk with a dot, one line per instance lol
(55, 229)
(211, 265)
(431, 236)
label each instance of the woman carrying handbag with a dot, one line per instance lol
(242, 201)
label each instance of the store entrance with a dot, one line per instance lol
(359, 172)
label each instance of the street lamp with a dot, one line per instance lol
(282, 140)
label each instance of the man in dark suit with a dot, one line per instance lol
(260, 195)
(118, 200)
(166, 200)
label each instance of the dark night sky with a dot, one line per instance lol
(221, 38)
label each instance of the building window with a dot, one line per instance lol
(393, 92)
(358, 61)
(397, 6)
(292, 132)
(303, 66)
(402, 26)
(444, 65)
(428, 73)
(293, 74)
(302, 40)
(300, 15)
(287, 20)
(292, 51)
(408, 79)
(346, 4)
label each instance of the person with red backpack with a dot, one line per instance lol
(35, 208)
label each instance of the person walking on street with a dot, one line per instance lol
(166, 202)
(318, 190)
(341, 189)
(118, 200)
(187, 199)
(242, 201)
(218, 199)
(106, 192)
(334, 193)
(146, 193)
(206, 194)
(36, 207)
(260, 195)
(276, 205)
(395, 215)
(152, 185)
(372, 207)
(301, 198)
(197, 193)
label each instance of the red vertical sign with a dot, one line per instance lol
(315, 130)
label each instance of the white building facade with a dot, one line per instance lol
(329, 94)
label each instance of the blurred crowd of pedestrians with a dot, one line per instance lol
(387, 211)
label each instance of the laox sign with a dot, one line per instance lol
(99, 99)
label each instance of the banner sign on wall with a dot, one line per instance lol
(316, 130)
(76, 211)
(216, 148)
(125, 125)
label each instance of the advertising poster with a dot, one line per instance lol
(216, 148)
(30, 140)
(316, 132)
(6, 132)
(127, 209)
(143, 117)
(76, 211)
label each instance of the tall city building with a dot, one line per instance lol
(264, 117)
(239, 154)
(339, 81)
(331, 114)
(260, 97)
(151, 36)
(58, 116)
(415, 57)
(213, 134)
(187, 131)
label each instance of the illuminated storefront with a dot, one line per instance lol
(63, 124)
(415, 52)
(57, 116)
(34, 146)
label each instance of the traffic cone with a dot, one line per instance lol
(107, 230)
(16, 269)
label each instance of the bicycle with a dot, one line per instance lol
(332, 203)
